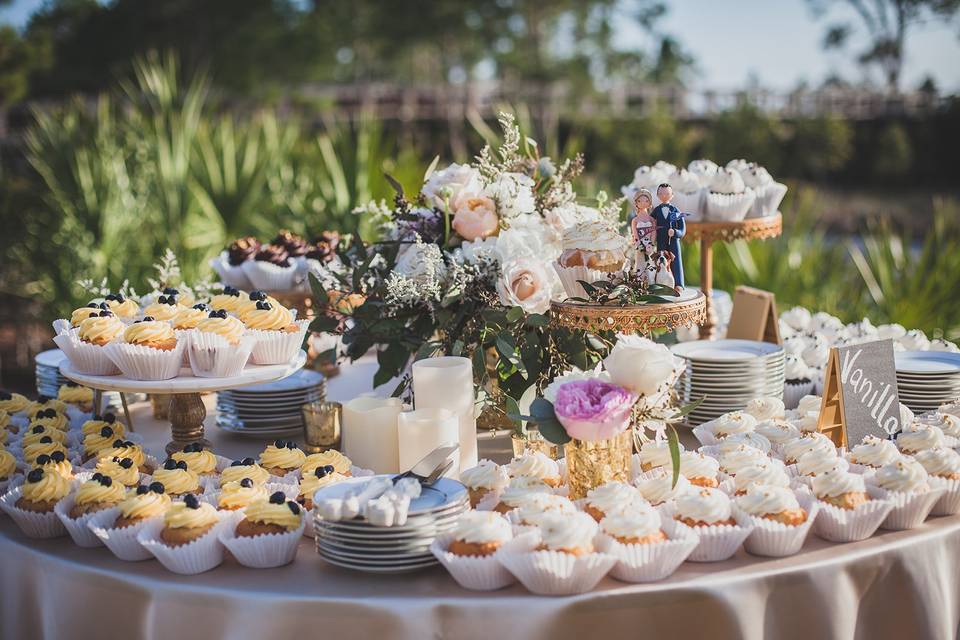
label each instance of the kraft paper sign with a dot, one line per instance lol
(860, 393)
(754, 316)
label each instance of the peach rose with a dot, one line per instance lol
(524, 283)
(476, 217)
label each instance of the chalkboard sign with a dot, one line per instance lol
(860, 393)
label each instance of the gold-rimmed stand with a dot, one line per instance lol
(709, 232)
(640, 318)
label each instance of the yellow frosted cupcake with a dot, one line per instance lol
(95, 443)
(274, 515)
(245, 468)
(270, 317)
(199, 460)
(152, 333)
(177, 479)
(42, 491)
(76, 395)
(187, 521)
(101, 329)
(144, 503)
(340, 463)
(282, 457)
(46, 445)
(123, 470)
(13, 402)
(97, 423)
(223, 325)
(36, 432)
(56, 462)
(122, 306)
(230, 300)
(96, 494)
(165, 308)
(8, 465)
(81, 314)
(190, 317)
(250, 304)
(51, 418)
(240, 494)
(317, 479)
(127, 449)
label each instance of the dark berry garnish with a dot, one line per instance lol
(46, 439)
(278, 497)
(170, 291)
(321, 472)
(157, 487)
(191, 501)
(169, 464)
(106, 432)
(294, 507)
(258, 295)
(246, 483)
(43, 459)
(36, 475)
(126, 463)
(182, 465)
(142, 489)
(264, 306)
(57, 456)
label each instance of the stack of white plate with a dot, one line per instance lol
(357, 544)
(927, 379)
(727, 374)
(272, 409)
(49, 378)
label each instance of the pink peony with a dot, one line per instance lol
(592, 409)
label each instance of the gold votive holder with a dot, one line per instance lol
(533, 442)
(592, 464)
(321, 426)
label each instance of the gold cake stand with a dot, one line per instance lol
(708, 233)
(641, 318)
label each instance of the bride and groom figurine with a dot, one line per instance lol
(656, 235)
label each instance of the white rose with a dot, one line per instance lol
(480, 250)
(525, 282)
(445, 185)
(569, 215)
(531, 237)
(513, 193)
(643, 366)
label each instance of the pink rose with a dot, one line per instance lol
(593, 409)
(475, 217)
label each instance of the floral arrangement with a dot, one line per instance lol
(464, 267)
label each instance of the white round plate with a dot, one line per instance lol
(927, 362)
(725, 350)
(51, 358)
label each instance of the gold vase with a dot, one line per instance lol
(533, 443)
(591, 464)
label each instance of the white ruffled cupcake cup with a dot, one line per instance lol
(122, 541)
(850, 525)
(212, 356)
(650, 562)
(691, 203)
(77, 527)
(570, 277)
(910, 509)
(949, 502)
(553, 573)
(203, 554)
(727, 207)
(477, 573)
(277, 347)
(775, 539)
(62, 326)
(794, 391)
(33, 525)
(231, 275)
(90, 359)
(270, 277)
(716, 542)
(141, 362)
(768, 198)
(263, 551)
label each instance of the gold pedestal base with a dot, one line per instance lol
(187, 414)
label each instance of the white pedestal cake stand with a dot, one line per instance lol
(187, 412)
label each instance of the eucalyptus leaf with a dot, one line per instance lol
(673, 442)
(320, 297)
(513, 408)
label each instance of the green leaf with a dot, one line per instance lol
(537, 320)
(431, 168)
(673, 442)
(320, 297)
(553, 431)
(479, 364)
(515, 314)
(513, 409)
(687, 409)
(394, 183)
(457, 349)
(324, 324)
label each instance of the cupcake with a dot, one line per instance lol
(660, 489)
(190, 317)
(727, 198)
(536, 465)
(218, 347)
(8, 465)
(239, 494)
(229, 264)
(45, 446)
(534, 507)
(918, 437)
(947, 423)
(654, 454)
(274, 515)
(77, 396)
(149, 350)
(767, 473)
(220, 324)
(13, 402)
(244, 468)
(940, 463)
(814, 463)
(914, 340)
(704, 170)
(734, 460)
(123, 470)
(281, 458)
(699, 469)
(277, 336)
(186, 521)
(165, 308)
(611, 499)
(100, 329)
(568, 533)
(840, 489)
(97, 423)
(818, 442)
(79, 315)
(177, 479)
(152, 333)
(311, 482)
(145, 502)
(873, 452)
(645, 177)
(42, 490)
(55, 462)
(778, 504)
(777, 431)
(591, 251)
(734, 422)
(230, 300)
(95, 443)
(485, 478)
(37, 432)
(904, 475)
(127, 449)
(704, 508)
(798, 381)
(636, 526)
(250, 304)
(517, 491)
(769, 194)
(687, 191)
(340, 463)
(750, 438)
(479, 533)
(199, 460)
(96, 494)
(122, 306)
(272, 268)
(766, 408)
(50, 418)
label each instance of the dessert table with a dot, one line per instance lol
(894, 585)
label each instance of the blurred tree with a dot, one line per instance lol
(887, 23)
(746, 132)
(818, 146)
(894, 153)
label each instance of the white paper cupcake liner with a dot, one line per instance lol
(910, 509)
(33, 525)
(277, 347)
(270, 277)
(77, 528)
(61, 326)
(776, 539)
(949, 502)
(203, 554)
(146, 363)
(122, 542)
(716, 542)
(569, 277)
(768, 198)
(231, 275)
(212, 356)
(849, 525)
(475, 573)
(86, 358)
(727, 207)
(263, 551)
(691, 203)
(650, 562)
(553, 573)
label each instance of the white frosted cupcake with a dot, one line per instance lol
(733, 423)
(646, 547)
(766, 408)
(907, 486)
(468, 551)
(943, 468)
(814, 463)
(777, 431)
(778, 504)
(645, 177)
(654, 454)
(798, 381)
(699, 469)
(732, 461)
(727, 198)
(873, 452)
(947, 423)
(484, 479)
(591, 251)
(918, 437)
(709, 512)
(571, 534)
(535, 507)
(536, 465)
(769, 193)
(780, 521)
(612, 498)
(687, 192)
(640, 525)
(769, 473)
(704, 170)
(818, 442)
(658, 490)
(519, 490)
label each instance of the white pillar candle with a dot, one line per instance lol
(447, 383)
(420, 432)
(370, 433)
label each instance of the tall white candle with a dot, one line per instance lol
(370, 433)
(447, 383)
(422, 431)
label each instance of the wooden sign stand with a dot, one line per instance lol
(832, 421)
(754, 316)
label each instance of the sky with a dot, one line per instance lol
(776, 42)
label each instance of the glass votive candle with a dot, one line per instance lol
(321, 425)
